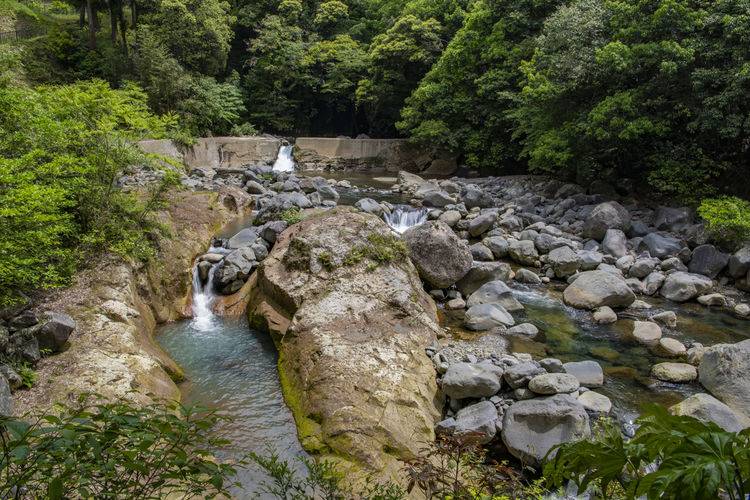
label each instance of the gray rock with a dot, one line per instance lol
(482, 223)
(653, 282)
(455, 304)
(673, 264)
(590, 259)
(672, 219)
(14, 379)
(495, 292)
(370, 206)
(660, 246)
(615, 243)
(271, 230)
(554, 383)
(234, 270)
(708, 260)
(487, 316)
(438, 254)
(526, 329)
(670, 348)
(437, 198)
(681, 286)
(325, 190)
(24, 345)
(588, 373)
(482, 272)
(725, 372)
(6, 402)
(474, 196)
(552, 365)
(531, 428)
(595, 402)
(709, 409)
(592, 289)
(528, 277)
(668, 318)
(497, 245)
(244, 238)
(646, 332)
(739, 263)
(54, 330)
(564, 261)
(713, 300)
(609, 215)
(471, 380)
(523, 251)
(643, 267)
(481, 253)
(678, 373)
(260, 250)
(605, 315)
(254, 187)
(476, 423)
(450, 217)
(518, 375)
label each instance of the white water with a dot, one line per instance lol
(403, 217)
(284, 161)
(203, 299)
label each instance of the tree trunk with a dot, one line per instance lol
(134, 13)
(91, 15)
(112, 4)
(82, 15)
(123, 26)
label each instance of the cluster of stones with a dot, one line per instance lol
(24, 338)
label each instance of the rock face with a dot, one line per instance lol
(441, 258)
(531, 428)
(592, 289)
(681, 286)
(351, 339)
(609, 215)
(725, 373)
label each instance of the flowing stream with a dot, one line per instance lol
(403, 217)
(232, 368)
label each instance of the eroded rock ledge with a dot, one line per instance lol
(351, 321)
(117, 304)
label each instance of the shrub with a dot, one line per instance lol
(291, 216)
(727, 219)
(113, 450)
(669, 457)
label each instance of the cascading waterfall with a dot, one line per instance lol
(402, 217)
(284, 161)
(203, 298)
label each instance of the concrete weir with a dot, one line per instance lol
(217, 153)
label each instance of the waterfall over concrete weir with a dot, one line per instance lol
(402, 217)
(284, 162)
(203, 299)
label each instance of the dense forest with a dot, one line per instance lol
(651, 89)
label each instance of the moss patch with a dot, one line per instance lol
(380, 248)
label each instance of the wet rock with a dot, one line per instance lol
(234, 270)
(709, 409)
(713, 300)
(438, 254)
(660, 246)
(605, 315)
(554, 383)
(609, 215)
(646, 332)
(487, 316)
(370, 206)
(681, 286)
(518, 375)
(528, 277)
(592, 289)
(325, 190)
(708, 261)
(471, 380)
(695, 354)
(531, 428)
(495, 292)
(564, 261)
(595, 402)
(668, 318)
(678, 373)
(725, 373)
(482, 272)
(482, 223)
(588, 373)
(526, 329)
(615, 243)
(670, 348)
(523, 251)
(742, 310)
(54, 330)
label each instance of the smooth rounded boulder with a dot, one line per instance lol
(438, 254)
(487, 316)
(609, 215)
(532, 427)
(681, 286)
(471, 380)
(593, 289)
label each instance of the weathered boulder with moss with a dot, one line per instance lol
(351, 321)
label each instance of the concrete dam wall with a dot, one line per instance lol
(218, 153)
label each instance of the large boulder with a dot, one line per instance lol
(351, 337)
(53, 330)
(487, 316)
(725, 373)
(476, 423)
(523, 251)
(563, 261)
(615, 243)
(672, 219)
(471, 380)
(708, 261)
(608, 215)
(739, 263)
(709, 409)
(481, 273)
(592, 289)
(660, 245)
(473, 196)
(531, 428)
(234, 270)
(681, 286)
(439, 255)
(495, 292)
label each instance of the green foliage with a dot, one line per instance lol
(27, 374)
(727, 219)
(113, 450)
(61, 151)
(291, 216)
(380, 249)
(693, 459)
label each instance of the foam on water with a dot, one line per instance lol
(402, 217)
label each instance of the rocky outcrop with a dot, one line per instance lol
(116, 305)
(351, 321)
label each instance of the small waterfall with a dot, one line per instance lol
(402, 217)
(284, 161)
(203, 298)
